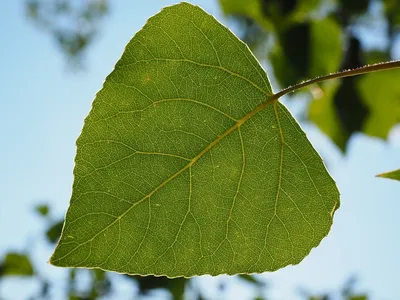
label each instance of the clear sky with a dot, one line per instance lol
(43, 105)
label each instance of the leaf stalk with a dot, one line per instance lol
(389, 65)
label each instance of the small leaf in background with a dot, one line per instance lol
(305, 52)
(53, 233)
(252, 280)
(322, 112)
(369, 104)
(381, 94)
(349, 106)
(252, 10)
(296, 48)
(348, 292)
(391, 175)
(345, 293)
(358, 297)
(375, 112)
(16, 264)
(42, 210)
(325, 53)
(148, 284)
(341, 111)
(186, 165)
(100, 284)
(353, 7)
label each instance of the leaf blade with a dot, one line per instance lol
(166, 121)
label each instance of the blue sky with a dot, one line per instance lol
(43, 105)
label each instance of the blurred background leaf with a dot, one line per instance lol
(310, 38)
(16, 264)
(42, 210)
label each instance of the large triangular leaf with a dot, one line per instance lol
(188, 165)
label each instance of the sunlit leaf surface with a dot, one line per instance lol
(188, 165)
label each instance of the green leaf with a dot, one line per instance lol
(391, 175)
(380, 117)
(54, 231)
(42, 210)
(188, 165)
(354, 7)
(16, 264)
(305, 52)
(358, 297)
(252, 9)
(326, 53)
(252, 280)
(322, 112)
(149, 283)
(385, 113)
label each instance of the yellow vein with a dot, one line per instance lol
(239, 183)
(143, 238)
(280, 177)
(181, 225)
(281, 158)
(279, 185)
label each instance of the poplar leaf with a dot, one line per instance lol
(187, 164)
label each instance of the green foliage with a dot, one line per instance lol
(380, 92)
(380, 111)
(16, 264)
(42, 210)
(391, 175)
(53, 232)
(149, 283)
(304, 51)
(188, 165)
(358, 297)
(312, 39)
(322, 112)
